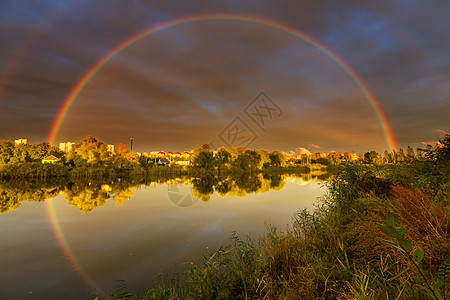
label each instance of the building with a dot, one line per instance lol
(321, 154)
(21, 142)
(350, 155)
(66, 147)
(163, 161)
(50, 159)
(110, 148)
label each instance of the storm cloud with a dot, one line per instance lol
(182, 86)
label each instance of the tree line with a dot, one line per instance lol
(91, 157)
(86, 194)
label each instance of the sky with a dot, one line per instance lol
(227, 81)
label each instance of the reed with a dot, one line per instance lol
(336, 251)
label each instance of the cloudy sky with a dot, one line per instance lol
(227, 81)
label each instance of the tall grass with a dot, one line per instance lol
(336, 251)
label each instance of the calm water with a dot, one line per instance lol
(73, 238)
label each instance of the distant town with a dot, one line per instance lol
(183, 158)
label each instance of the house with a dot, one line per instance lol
(163, 161)
(50, 159)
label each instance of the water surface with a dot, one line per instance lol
(72, 238)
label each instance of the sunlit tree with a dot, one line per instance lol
(372, 157)
(203, 158)
(277, 159)
(410, 153)
(123, 195)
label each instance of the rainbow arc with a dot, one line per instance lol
(81, 84)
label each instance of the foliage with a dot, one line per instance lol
(24, 153)
(337, 251)
(430, 285)
(89, 152)
(372, 157)
(204, 160)
(84, 194)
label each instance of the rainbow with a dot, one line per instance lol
(78, 88)
(66, 247)
(387, 131)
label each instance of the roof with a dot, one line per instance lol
(51, 157)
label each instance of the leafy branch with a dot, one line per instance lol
(414, 256)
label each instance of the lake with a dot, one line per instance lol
(63, 240)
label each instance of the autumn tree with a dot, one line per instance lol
(6, 151)
(264, 158)
(90, 151)
(387, 157)
(203, 157)
(122, 149)
(125, 159)
(86, 198)
(222, 156)
(334, 158)
(277, 159)
(410, 153)
(419, 153)
(41, 150)
(372, 157)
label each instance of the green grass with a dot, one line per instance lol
(338, 251)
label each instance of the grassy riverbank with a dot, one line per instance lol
(339, 250)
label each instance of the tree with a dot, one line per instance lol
(203, 187)
(371, 157)
(233, 153)
(123, 195)
(90, 151)
(410, 153)
(334, 158)
(264, 158)
(122, 148)
(86, 198)
(20, 154)
(202, 148)
(277, 159)
(41, 150)
(254, 158)
(6, 151)
(204, 160)
(222, 156)
(400, 155)
(419, 153)
(387, 157)
(323, 161)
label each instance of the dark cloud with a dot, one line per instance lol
(182, 86)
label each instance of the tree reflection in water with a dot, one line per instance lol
(86, 194)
